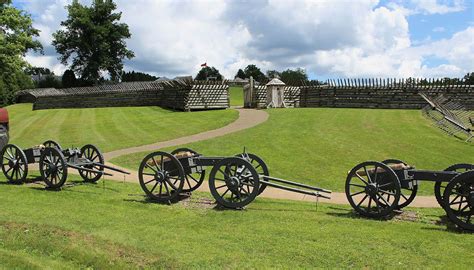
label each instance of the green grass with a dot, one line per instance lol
(112, 226)
(236, 96)
(320, 145)
(109, 128)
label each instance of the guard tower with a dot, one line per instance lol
(275, 94)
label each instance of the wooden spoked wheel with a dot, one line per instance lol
(439, 187)
(14, 164)
(373, 189)
(193, 180)
(459, 200)
(259, 165)
(52, 144)
(92, 157)
(407, 194)
(161, 176)
(53, 168)
(234, 182)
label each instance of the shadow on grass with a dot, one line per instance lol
(147, 200)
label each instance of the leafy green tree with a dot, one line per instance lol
(208, 72)
(137, 77)
(49, 81)
(255, 72)
(240, 74)
(69, 79)
(469, 78)
(294, 77)
(94, 40)
(273, 74)
(38, 71)
(16, 39)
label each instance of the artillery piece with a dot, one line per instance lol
(53, 163)
(375, 189)
(234, 182)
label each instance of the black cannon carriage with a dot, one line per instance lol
(234, 182)
(375, 189)
(53, 162)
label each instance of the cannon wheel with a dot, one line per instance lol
(52, 144)
(407, 194)
(439, 187)
(234, 182)
(92, 154)
(53, 168)
(359, 188)
(161, 183)
(459, 200)
(192, 180)
(259, 165)
(14, 164)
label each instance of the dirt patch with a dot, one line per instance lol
(407, 216)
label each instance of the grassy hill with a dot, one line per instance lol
(112, 226)
(320, 145)
(109, 128)
(236, 96)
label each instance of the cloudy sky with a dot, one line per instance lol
(328, 38)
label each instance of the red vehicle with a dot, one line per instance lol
(3, 127)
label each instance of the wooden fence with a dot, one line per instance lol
(176, 94)
(383, 93)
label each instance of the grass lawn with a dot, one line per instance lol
(112, 226)
(109, 128)
(236, 96)
(320, 145)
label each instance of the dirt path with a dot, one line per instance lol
(247, 118)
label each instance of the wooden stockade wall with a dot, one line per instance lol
(383, 93)
(175, 94)
(291, 95)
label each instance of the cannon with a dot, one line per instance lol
(234, 182)
(375, 189)
(53, 162)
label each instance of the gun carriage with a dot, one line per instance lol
(375, 189)
(53, 162)
(234, 182)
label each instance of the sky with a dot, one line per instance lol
(327, 38)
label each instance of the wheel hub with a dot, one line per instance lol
(371, 189)
(12, 163)
(233, 183)
(52, 168)
(160, 176)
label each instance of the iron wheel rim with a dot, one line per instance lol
(385, 195)
(459, 193)
(227, 180)
(14, 162)
(53, 168)
(92, 154)
(167, 181)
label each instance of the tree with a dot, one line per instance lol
(469, 78)
(16, 39)
(208, 73)
(255, 72)
(69, 79)
(137, 77)
(273, 74)
(94, 39)
(240, 74)
(49, 81)
(294, 77)
(38, 71)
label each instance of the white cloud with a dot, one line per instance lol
(328, 38)
(427, 7)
